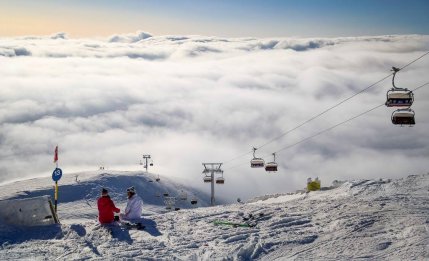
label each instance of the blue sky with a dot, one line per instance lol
(221, 17)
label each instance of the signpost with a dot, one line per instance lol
(56, 175)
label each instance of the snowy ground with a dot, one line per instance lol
(374, 219)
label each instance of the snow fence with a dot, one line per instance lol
(37, 211)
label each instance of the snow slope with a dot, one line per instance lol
(374, 219)
(78, 192)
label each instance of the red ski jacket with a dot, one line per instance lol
(106, 209)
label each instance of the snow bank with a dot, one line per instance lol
(370, 219)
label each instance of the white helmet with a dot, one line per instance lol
(132, 190)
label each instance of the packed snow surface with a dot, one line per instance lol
(369, 219)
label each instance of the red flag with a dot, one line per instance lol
(56, 154)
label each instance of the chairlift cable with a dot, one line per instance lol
(327, 110)
(237, 157)
(328, 129)
(341, 102)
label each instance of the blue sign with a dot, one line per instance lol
(57, 174)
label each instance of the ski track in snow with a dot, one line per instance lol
(364, 219)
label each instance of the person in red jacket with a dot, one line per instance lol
(106, 207)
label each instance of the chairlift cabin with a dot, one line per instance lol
(151, 163)
(398, 97)
(169, 202)
(220, 180)
(157, 179)
(256, 162)
(207, 179)
(271, 166)
(183, 195)
(165, 194)
(194, 201)
(403, 117)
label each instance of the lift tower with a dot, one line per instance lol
(212, 169)
(146, 157)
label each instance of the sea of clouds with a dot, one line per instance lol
(192, 99)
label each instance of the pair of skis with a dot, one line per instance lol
(250, 221)
(136, 226)
(233, 224)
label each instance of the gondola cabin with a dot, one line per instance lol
(401, 98)
(220, 180)
(403, 117)
(257, 163)
(271, 167)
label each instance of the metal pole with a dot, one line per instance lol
(210, 167)
(56, 195)
(56, 190)
(213, 196)
(146, 157)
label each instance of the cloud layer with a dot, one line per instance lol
(192, 99)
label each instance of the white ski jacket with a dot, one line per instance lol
(134, 207)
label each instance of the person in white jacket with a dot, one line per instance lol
(134, 207)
